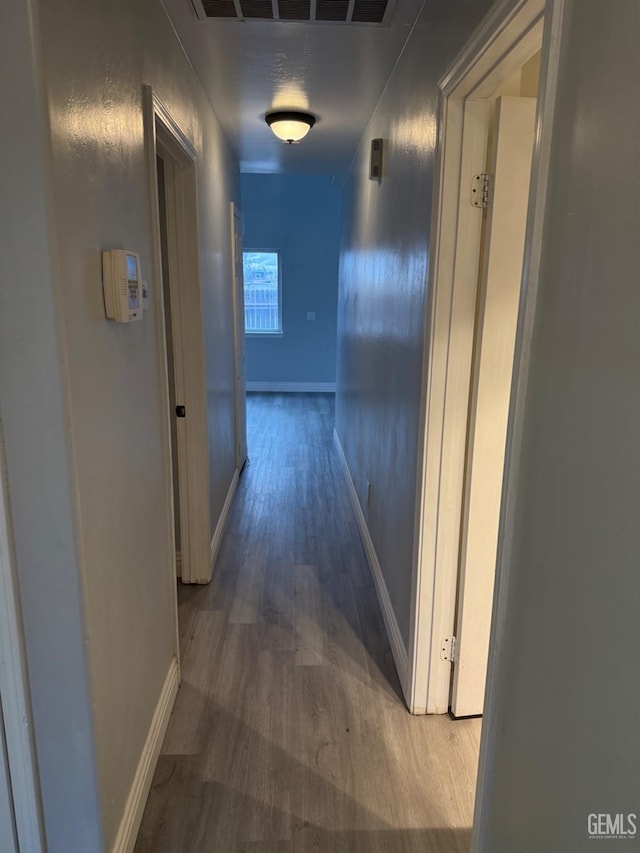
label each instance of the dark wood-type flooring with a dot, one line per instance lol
(289, 734)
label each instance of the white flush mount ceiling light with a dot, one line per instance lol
(290, 126)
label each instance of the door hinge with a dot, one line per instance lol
(448, 649)
(481, 190)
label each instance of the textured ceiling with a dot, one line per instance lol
(335, 71)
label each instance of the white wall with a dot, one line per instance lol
(561, 736)
(34, 424)
(299, 215)
(382, 299)
(80, 396)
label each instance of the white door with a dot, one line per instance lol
(8, 841)
(502, 258)
(238, 321)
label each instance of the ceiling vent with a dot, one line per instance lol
(372, 12)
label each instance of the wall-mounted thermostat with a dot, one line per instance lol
(122, 285)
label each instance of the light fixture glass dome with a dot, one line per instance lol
(290, 126)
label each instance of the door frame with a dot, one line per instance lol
(164, 137)
(489, 394)
(511, 32)
(14, 689)
(238, 343)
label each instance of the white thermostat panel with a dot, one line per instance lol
(122, 284)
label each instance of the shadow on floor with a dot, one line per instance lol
(215, 829)
(239, 791)
(289, 733)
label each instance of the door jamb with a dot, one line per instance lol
(193, 445)
(14, 689)
(238, 330)
(502, 42)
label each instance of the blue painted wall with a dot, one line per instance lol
(299, 215)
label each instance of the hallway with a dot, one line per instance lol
(289, 732)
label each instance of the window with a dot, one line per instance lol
(262, 302)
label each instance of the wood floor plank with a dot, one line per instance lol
(309, 628)
(289, 732)
(189, 721)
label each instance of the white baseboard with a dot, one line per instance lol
(137, 799)
(218, 534)
(398, 648)
(293, 387)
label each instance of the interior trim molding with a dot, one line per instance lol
(293, 387)
(16, 720)
(218, 533)
(164, 138)
(507, 37)
(137, 799)
(398, 648)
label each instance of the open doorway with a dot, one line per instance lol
(179, 312)
(175, 369)
(496, 118)
(503, 195)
